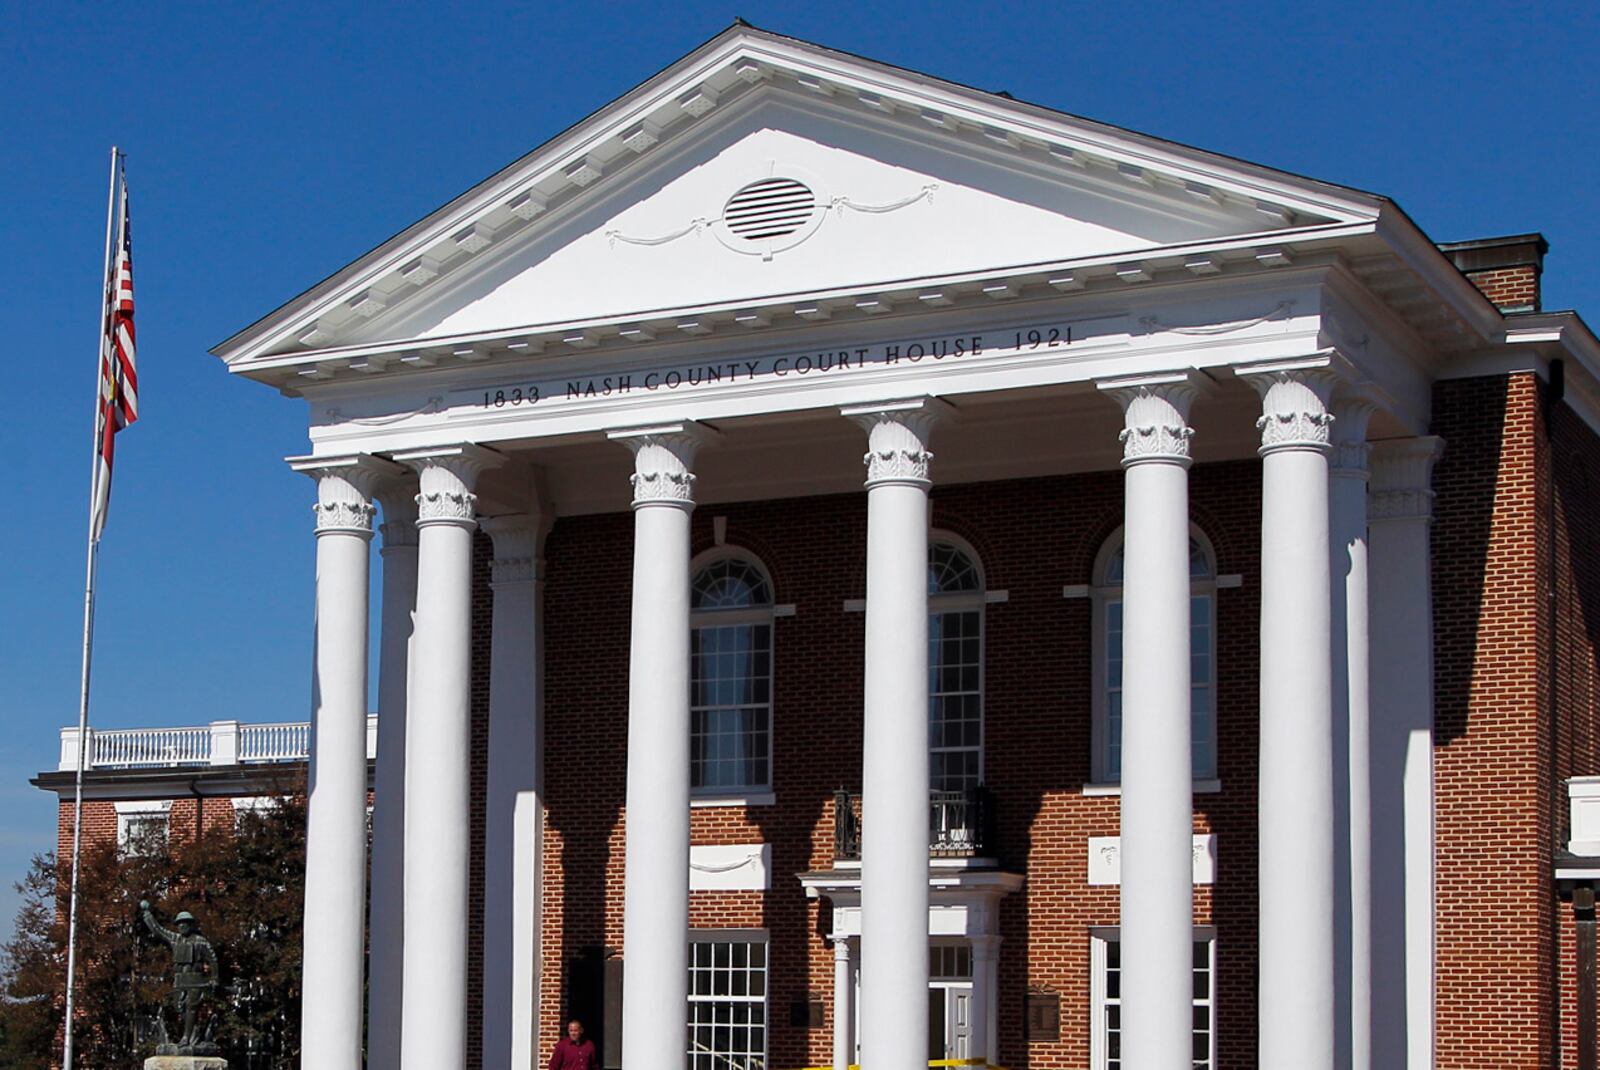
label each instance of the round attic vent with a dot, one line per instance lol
(770, 208)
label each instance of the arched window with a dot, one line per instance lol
(1107, 594)
(955, 667)
(730, 677)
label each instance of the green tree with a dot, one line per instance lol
(245, 884)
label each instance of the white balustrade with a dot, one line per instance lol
(220, 743)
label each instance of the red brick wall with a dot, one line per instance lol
(1574, 451)
(1509, 287)
(1492, 753)
(1033, 537)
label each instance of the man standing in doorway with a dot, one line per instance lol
(574, 1051)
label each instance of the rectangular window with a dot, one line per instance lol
(727, 1003)
(1105, 1042)
(142, 833)
(955, 700)
(730, 745)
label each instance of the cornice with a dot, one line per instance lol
(1131, 272)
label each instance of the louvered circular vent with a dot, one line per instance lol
(770, 208)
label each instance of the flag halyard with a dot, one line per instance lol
(118, 403)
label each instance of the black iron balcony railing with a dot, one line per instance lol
(960, 824)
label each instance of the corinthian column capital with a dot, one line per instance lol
(1348, 439)
(1402, 478)
(398, 497)
(1155, 412)
(518, 547)
(345, 487)
(897, 439)
(1296, 405)
(663, 461)
(446, 476)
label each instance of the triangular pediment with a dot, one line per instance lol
(760, 169)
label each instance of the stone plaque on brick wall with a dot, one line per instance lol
(1044, 1016)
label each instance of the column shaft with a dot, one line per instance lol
(438, 765)
(894, 799)
(843, 1046)
(1401, 748)
(386, 914)
(513, 821)
(336, 831)
(1352, 797)
(1157, 929)
(1296, 789)
(656, 877)
(985, 956)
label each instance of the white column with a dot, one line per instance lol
(655, 928)
(513, 821)
(438, 756)
(1352, 801)
(1157, 918)
(386, 914)
(1400, 511)
(336, 811)
(894, 799)
(843, 1042)
(1296, 787)
(985, 996)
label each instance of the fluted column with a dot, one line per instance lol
(1296, 813)
(386, 913)
(894, 799)
(336, 810)
(1352, 798)
(843, 1022)
(438, 761)
(1400, 512)
(1157, 929)
(655, 928)
(513, 821)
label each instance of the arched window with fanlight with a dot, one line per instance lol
(1108, 659)
(955, 667)
(730, 677)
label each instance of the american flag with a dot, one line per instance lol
(119, 383)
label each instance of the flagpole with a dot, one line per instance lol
(92, 555)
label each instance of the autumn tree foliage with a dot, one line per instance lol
(244, 881)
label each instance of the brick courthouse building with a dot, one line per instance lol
(1212, 698)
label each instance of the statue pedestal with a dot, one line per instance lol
(185, 1062)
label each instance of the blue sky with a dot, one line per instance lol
(269, 145)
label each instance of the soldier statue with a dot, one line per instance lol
(194, 978)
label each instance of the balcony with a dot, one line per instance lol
(960, 825)
(220, 743)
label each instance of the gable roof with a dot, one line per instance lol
(573, 166)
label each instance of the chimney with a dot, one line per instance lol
(1506, 270)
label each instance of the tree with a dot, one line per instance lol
(244, 883)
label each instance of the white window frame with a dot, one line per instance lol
(962, 602)
(752, 794)
(131, 815)
(731, 936)
(1101, 596)
(1099, 937)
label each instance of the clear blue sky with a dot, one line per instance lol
(269, 145)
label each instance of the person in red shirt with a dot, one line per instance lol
(574, 1051)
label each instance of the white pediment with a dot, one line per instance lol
(882, 210)
(906, 178)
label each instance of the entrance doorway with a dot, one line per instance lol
(950, 1001)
